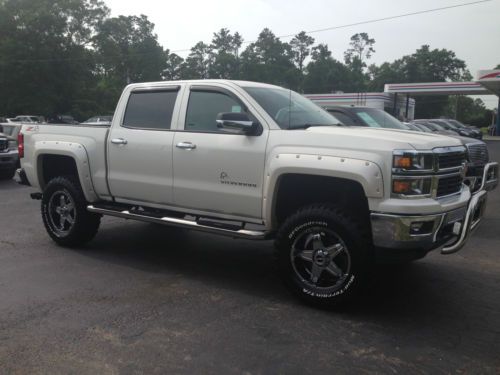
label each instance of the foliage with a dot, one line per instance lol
(270, 60)
(468, 110)
(361, 48)
(45, 66)
(70, 56)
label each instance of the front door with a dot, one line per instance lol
(140, 148)
(213, 170)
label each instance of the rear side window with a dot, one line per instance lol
(150, 110)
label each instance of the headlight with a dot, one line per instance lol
(412, 161)
(411, 186)
(13, 145)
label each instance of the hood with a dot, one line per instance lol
(388, 139)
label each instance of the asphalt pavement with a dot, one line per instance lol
(142, 298)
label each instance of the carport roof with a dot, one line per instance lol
(437, 88)
(490, 79)
(488, 83)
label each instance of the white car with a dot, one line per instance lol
(99, 120)
(257, 161)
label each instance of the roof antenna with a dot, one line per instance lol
(289, 108)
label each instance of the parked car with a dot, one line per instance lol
(62, 119)
(476, 132)
(464, 132)
(434, 127)
(9, 157)
(99, 120)
(29, 119)
(11, 130)
(257, 161)
(365, 116)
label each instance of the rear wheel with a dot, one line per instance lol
(65, 215)
(323, 254)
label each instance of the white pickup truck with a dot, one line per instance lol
(256, 161)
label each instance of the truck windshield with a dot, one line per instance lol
(289, 109)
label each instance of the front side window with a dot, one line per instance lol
(289, 109)
(204, 107)
(150, 110)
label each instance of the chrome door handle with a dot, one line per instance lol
(119, 141)
(186, 145)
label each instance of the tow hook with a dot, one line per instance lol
(36, 196)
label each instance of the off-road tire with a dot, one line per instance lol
(332, 223)
(85, 224)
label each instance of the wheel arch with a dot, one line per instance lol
(64, 158)
(317, 178)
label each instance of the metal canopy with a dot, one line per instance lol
(437, 88)
(490, 79)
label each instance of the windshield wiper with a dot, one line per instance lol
(305, 126)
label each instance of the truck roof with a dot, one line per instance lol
(194, 81)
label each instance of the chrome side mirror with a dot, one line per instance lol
(237, 122)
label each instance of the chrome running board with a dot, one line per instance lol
(182, 223)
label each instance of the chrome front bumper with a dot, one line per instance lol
(449, 230)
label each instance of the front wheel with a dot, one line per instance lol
(323, 254)
(65, 215)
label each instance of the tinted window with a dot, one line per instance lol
(343, 118)
(203, 108)
(150, 110)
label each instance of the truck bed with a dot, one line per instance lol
(61, 139)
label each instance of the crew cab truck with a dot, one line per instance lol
(256, 161)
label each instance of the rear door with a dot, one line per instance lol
(140, 147)
(216, 171)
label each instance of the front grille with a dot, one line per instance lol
(449, 185)
(3, 144)
(451, 160)
(478, 153)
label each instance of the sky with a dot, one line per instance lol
(472, 32)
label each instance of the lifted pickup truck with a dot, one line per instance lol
(256, 161)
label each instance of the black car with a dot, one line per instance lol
(62, 119)
(433, 127)
(478, 133)
(460, 130)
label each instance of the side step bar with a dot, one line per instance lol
(182, 223)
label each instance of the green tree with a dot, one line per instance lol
(268, 59)
(425, 65)
(173, 66)
(224, 55)
(44, 61)
(197, 64)
(468, 110)
(301, 48)
(324, 73)
(361, 48)
(127, 48)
